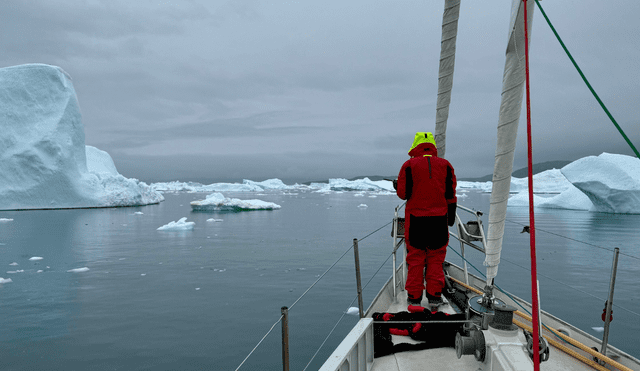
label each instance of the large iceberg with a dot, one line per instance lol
(217, 202)
(612, 182)
(44, 163)
(607, 183)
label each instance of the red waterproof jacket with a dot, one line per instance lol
(427, 182)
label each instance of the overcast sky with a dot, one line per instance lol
(307, 90)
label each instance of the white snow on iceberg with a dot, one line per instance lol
(180, 225)
(217, 202)
(44, 163)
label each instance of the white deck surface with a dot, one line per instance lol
(443, 359)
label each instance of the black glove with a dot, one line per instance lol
(451, 214)
(395, 184)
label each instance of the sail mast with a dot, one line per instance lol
(513, 81)
(445, 72)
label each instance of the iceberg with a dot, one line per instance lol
(217, 202)
(44, 163)
(607, 183)
(192, 187)
(274, 183)
(360, 185)
(180, 225)
(611, 181)
(549, 181)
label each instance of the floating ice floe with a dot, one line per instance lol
(5, 220)
(215, 220)
(217, 202)
(180, 225)
(598, 329)
(363, 206)
(354, 311)
(14, 263)
(5, 280)
(138, 213)
(36, 258)
(17, 271)
(78, 270)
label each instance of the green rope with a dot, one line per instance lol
(587, 82)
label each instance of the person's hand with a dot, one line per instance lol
(395, 184)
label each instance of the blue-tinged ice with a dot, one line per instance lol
(44, 163)
(607, 183)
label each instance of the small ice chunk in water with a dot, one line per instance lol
(39, 271)
(197, 288)
(14, 263)
(143, 274)
(78, 270)
(180, 225)
(354, 311)
(36, 258)
(5, 280)
(598, 329)
(362, 206)
(138, 213)
(5, 220)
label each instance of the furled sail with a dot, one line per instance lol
(513, 81)
(445, 72)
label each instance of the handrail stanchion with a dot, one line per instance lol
(607, 321)
(285, 338)
(357, 259)
(464, 261)
(395, 247)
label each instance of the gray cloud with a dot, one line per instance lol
(327, 88)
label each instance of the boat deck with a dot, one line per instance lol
(444, 359)
(570, 347)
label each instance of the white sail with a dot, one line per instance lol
(513, 82)
(445, 72)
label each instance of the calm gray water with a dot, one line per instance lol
(202, 299)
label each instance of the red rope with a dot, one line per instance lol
(532, 229)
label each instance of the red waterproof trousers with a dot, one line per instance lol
(425, 264)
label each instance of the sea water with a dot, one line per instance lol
(204, 298)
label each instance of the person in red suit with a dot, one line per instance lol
(428, 183)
